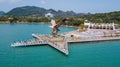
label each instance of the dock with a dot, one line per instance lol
(27, 43)
(59, 43)
(56, 42)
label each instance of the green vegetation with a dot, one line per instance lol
(104, 17)
(32, 14)
(96, 18)
(16, 19)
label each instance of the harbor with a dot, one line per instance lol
(93, 33)
(60, 43)
(59, 33)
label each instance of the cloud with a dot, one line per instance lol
(42, 1)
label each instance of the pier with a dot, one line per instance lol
(60, 43)
(27, 43)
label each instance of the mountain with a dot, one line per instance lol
(38, 11)
(2, 12)
(27, 11)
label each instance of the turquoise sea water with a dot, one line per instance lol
(101, 54)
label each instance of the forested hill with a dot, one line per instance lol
(38, 11)
(104, 17)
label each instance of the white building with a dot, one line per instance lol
(49, 15)
(107, 26)
(86, 23)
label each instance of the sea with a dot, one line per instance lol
(96, 54)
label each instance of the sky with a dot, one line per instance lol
(78, 6)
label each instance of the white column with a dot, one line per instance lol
(106, 26)
(113, 25)
(109, 26)
(88, 26)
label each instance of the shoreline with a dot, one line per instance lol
(33, 23)
(7, 22)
